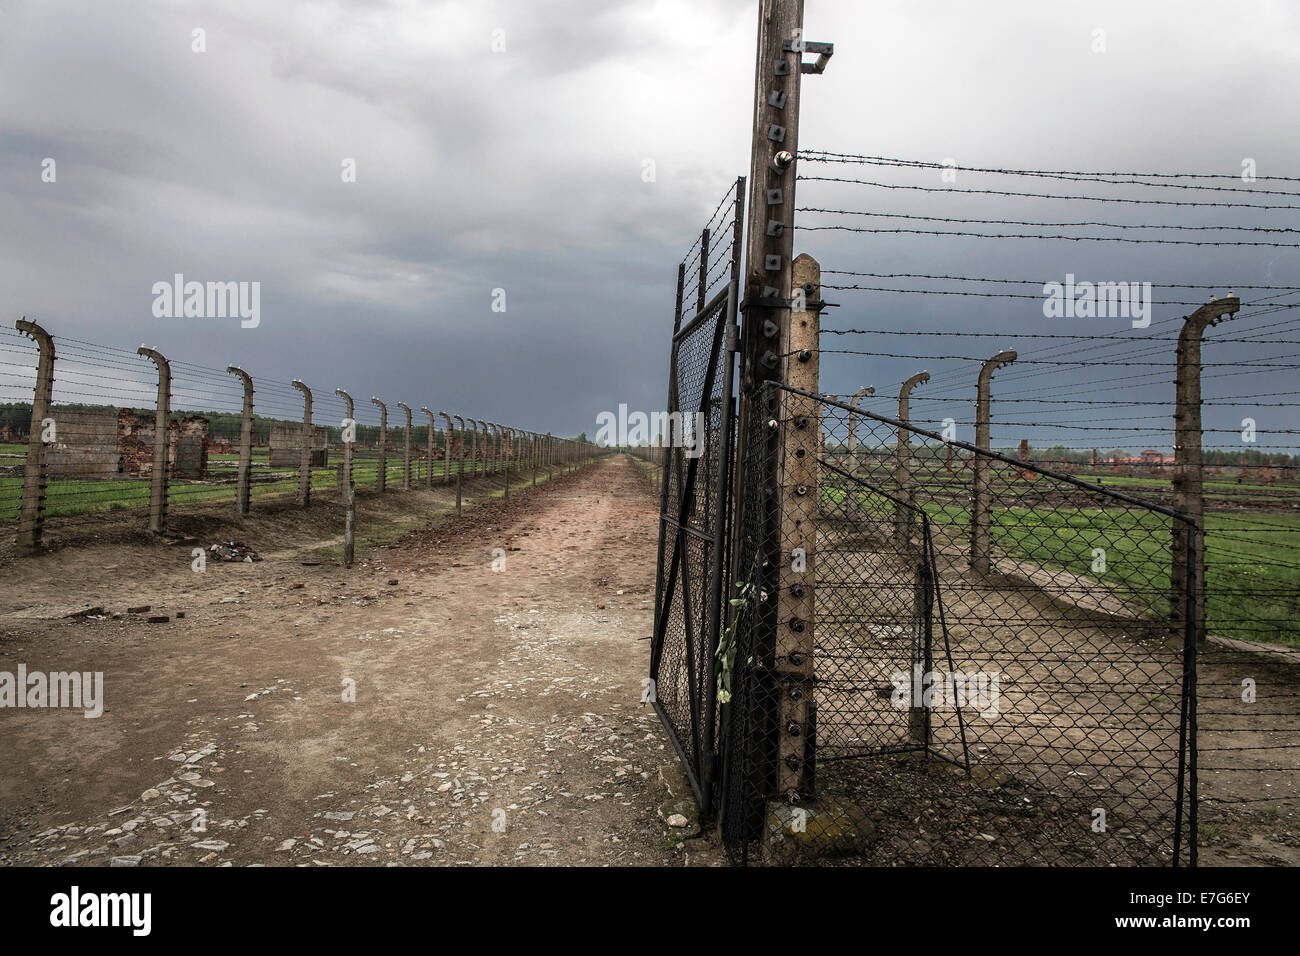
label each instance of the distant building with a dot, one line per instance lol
(286, 446)
(112, 443)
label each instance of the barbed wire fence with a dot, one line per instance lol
(83, 425)
(1102, 406)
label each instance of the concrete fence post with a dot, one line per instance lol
(349, 491)
(855, 465)
(406, 453)
(484, 447)
(980, 519)
(243, 492)
(503, 434)
(161, 441)
(433, 434)
(473, 448)
(503, 448)
(533, 451)
(469, 441)
(446, 449)
(382, 479)
(858, 396)
(31, 516)
(903, 517)
(304, 459)
(796, 501)
(460, 469)
(1187, 570)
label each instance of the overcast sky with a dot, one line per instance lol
(522, 169)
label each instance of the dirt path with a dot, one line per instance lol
(497, 665)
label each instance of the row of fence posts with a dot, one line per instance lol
(1187, 557)
(494, 449)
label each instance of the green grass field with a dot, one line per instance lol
(1252, 560)
(70, 497)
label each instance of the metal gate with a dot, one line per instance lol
(996, 676)
(692, 568)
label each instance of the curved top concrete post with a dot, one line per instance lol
(858, 396)
(157, 357)
(243, 377)
(447, 436)
(306, 397)
(1005, 357)
(37, 334)
(905, 394)
(161, 441)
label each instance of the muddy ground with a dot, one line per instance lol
(497, 662)
(468, 694)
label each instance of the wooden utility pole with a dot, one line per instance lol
(768, 341)
(1187, 556)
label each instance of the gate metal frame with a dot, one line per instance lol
(696, 742)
